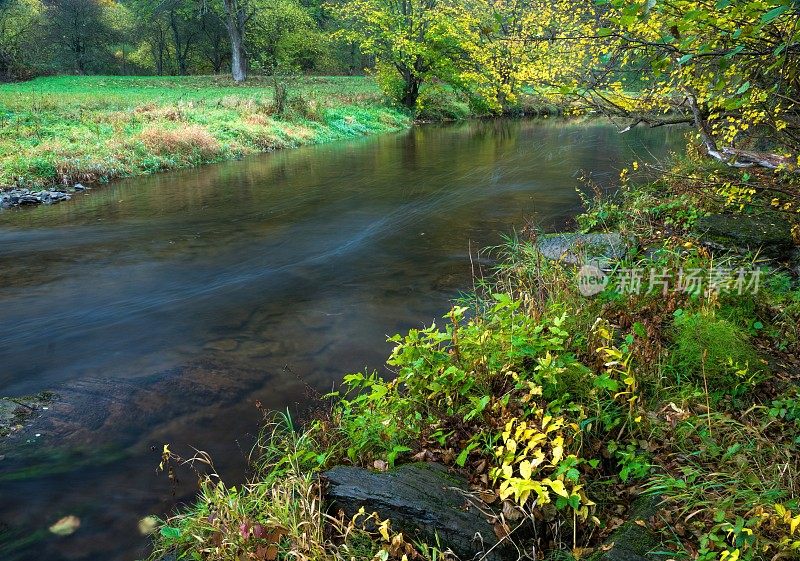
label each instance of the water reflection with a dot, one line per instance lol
(161, 308)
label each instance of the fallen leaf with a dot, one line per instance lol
(488, 496)
(147, 525)
(66, 525)
(500, 530)
(510, 511)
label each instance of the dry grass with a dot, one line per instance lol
(189, 140)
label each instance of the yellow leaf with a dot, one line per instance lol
(557, 486)
(525, 469)
(794, 524)
(384, 530)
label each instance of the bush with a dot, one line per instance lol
(439, 103)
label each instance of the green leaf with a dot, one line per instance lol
(685, 58)
(171, 532)
(743, 88)
(774, 13)
(462, 457)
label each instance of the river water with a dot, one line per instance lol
(160, 309)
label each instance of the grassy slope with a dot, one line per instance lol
(95, 128)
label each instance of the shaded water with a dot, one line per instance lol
(161, 308)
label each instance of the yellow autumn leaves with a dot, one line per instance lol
(532, 462)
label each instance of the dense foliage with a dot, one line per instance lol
(728, 67)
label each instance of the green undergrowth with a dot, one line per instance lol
(561, 409)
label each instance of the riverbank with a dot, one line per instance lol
(62, 135)
(643, 407)
(61, 131)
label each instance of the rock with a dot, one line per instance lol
(14, 411)
(79, 187)
(794, 261)
(28, 200)
(55, 196)
(421, 500)
(634, 540)
(770, 233)
(574, 248)
(19, 197)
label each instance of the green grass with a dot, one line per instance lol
(95, 128)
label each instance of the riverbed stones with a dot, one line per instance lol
(423, 500)
(576, 248)
(16, 411)
(25, 197)
(769, 233)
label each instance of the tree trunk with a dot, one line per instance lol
(410, 90)
(234, 21)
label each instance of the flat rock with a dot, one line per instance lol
(422, 500)
(770, 233)
(575, 248)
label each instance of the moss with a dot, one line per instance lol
(705, 345)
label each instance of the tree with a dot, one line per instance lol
(730, 67)
(237, 14)
(80, 32)
(284, 34)
(417, 39)
(525, 43)
(182, 18)
(214, 45)
(18, 18)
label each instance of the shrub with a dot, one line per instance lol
(439, 103)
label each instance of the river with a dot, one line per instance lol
(161, 309)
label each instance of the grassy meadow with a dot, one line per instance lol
(67, 129)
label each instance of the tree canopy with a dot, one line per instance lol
(729, 67)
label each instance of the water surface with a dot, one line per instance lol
(161, 309)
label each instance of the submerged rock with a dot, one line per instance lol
(422, 500)
(770, 233)
(574, 248)
(16, 411)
